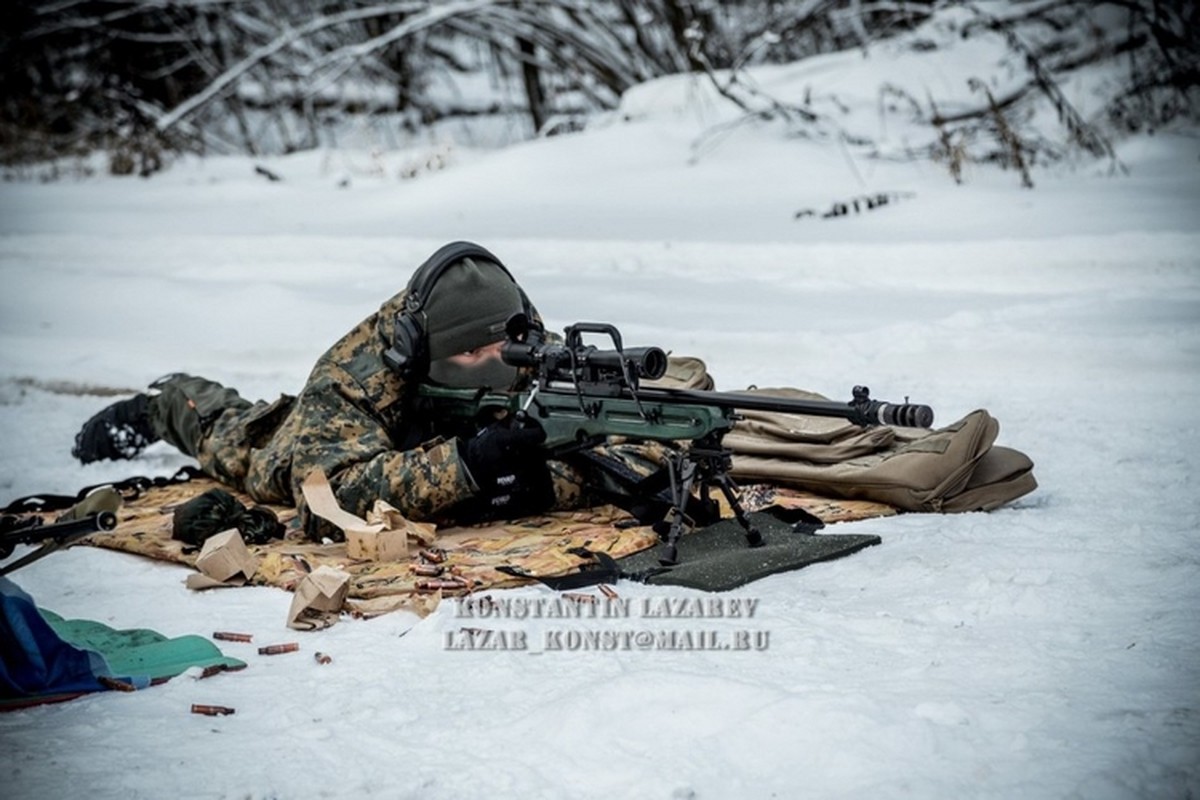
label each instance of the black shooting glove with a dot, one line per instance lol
(509, 467)
(502, 449)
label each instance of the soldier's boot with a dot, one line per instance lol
(177, 408)
(122, 430)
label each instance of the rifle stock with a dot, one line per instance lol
(572, 421)
(574, 416)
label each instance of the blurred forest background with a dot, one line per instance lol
(142, 80)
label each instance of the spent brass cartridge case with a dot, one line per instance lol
(211, 711)
(229, 636)
(435, 584)
(116, 685)
(276, 649)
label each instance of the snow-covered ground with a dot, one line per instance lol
(1050, 649)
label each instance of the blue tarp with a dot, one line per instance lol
(44, 657)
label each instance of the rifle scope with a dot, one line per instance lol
(575, 359)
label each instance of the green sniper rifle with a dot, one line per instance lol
(580, 395)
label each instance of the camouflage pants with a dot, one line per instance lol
(234, 440)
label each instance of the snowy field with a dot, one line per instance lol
(1050, 649)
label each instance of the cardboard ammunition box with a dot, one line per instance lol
(224, 561)
(369, 545)
(318, 599)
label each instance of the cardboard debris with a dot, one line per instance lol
(318, 599)
(382, 536)
(224, 560)
(382, 545)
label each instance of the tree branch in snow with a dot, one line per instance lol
(1080, 131)
(226, 79)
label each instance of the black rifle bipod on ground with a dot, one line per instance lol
(705, 463)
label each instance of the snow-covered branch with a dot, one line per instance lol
(282, 41)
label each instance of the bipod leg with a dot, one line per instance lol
(683, 475)
(729, 488)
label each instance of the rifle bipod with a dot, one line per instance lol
(708, 464)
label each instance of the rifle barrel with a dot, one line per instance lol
(864, 412)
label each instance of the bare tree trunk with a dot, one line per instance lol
(679, 19)
(532, 78)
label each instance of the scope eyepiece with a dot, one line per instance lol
(520, 354)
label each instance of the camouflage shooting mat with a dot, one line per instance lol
(538, 545)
